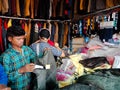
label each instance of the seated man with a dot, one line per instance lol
(3, 79)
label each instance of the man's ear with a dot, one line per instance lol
(9, 39)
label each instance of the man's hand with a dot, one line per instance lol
(27, 68)
(7, 88)
(3, 87)
(56, 44)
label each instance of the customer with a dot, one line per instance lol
(17, 59)
(46, 53)
(3, 79)
(43, 44)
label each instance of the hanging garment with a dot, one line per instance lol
(36, 2)
(50, 9)
(100, 4)
(52, 32)
(13, 8)
(26, 8)
(106, 34)
(65, 36)
(82, 6)
(43, 9)
(61, 33)
(18, 8)
(116, 2)
(75, 6)
(5, 6)
(109, 3)
(27, 31)
(32, 8)
(61, 8)
(54, 5)
(21, 2)
(46, 79)
(1, 41)
(4, 32)
(56, 32)
(118, 22)
(92, 5)
(34, 32)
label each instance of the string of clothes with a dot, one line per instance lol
(53, 9)
(42, 9)
(60, 31)
(103, 25)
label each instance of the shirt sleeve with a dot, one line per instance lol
(55, 51)
(3, 76)
(33, 47)
(33, 55)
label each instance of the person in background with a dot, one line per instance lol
(17, 60)
(42, 44)
(3, 79)
(46, 51)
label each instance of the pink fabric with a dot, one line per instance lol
(62, 75)
(95, 47)
(84, 50)
(110, 59)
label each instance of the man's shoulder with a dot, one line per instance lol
(26, 47)
(7, 51)
(41, 44)
(33, 44)
(6, 54)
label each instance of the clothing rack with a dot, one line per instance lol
(115, 8)
(30, 19)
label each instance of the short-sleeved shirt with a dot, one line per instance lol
(3, 76)
(12, 61)
(40, 47)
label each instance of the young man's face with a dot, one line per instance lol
(17, 41)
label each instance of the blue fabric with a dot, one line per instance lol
(3, 76)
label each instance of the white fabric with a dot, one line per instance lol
(116, 63)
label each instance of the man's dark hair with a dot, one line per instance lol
(44, 33)
(15, 31)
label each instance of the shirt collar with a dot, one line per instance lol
(10, 46)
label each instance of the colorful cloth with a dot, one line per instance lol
(12, 61)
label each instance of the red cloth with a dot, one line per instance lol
(23, 24)
(13, 7)
(1, 41)
(51, 42)
(110, 59)
(5, 24)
